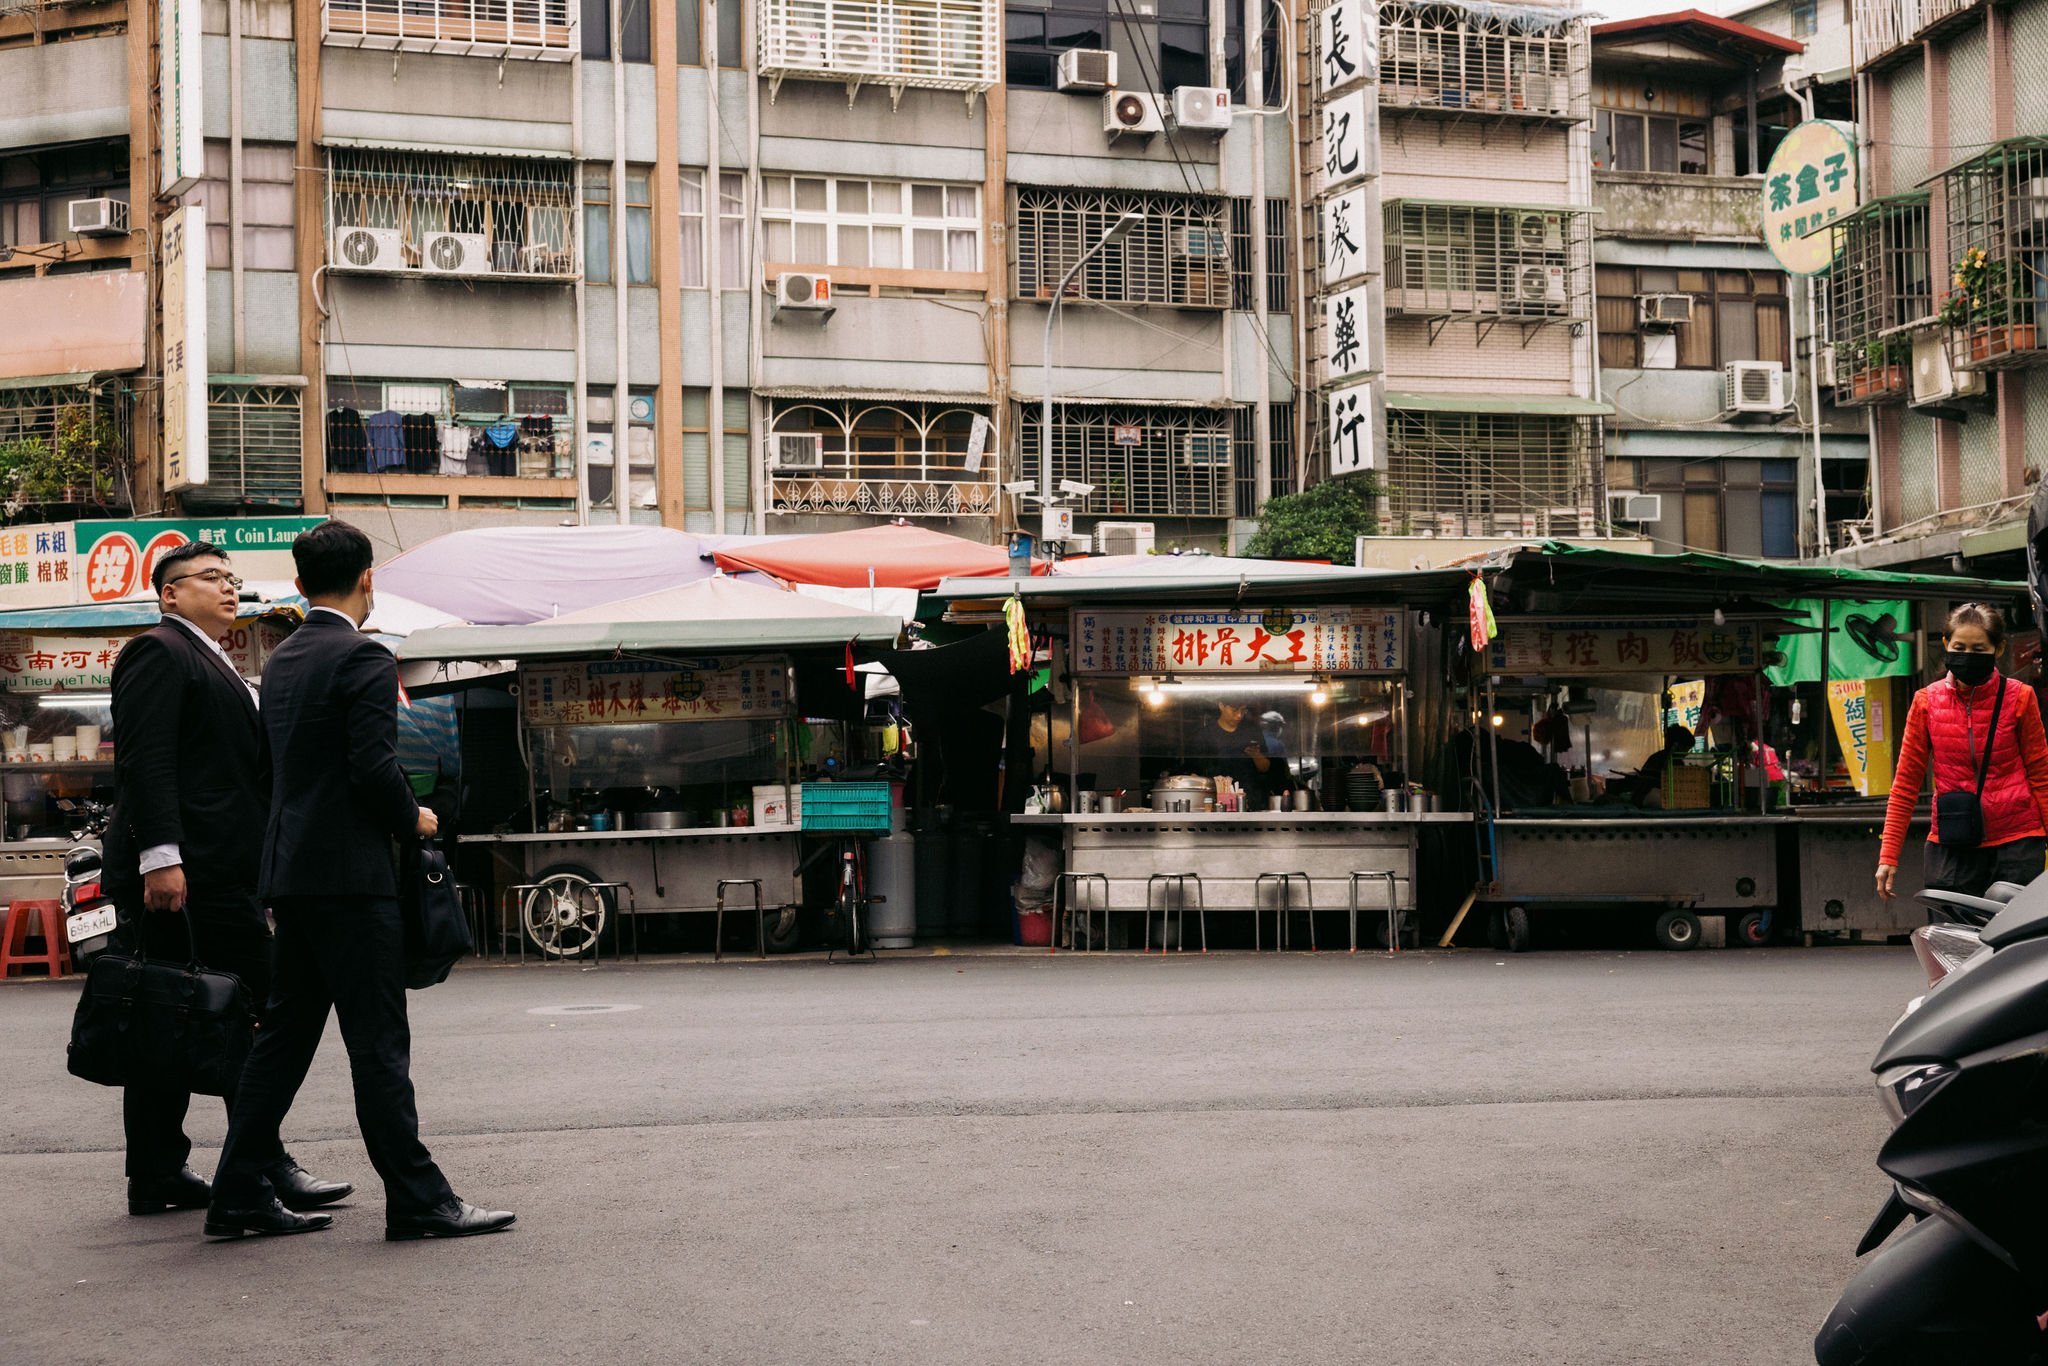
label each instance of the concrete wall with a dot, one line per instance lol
(435, 329)
(453, 102)
(64, 92)
(1099, 353)
(1057, 139)
(270, 312)
(913, 344)
(270, 90)
(1469, 163)
(1656, 205)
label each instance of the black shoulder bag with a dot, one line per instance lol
(180, 1026)
(436, 927)
(1959, 816)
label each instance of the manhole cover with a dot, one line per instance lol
(582, 1010)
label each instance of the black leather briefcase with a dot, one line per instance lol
(178, 1026)
(436, 927)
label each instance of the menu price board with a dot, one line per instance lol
(1314, 640)
(1653, 645)
(633, 692)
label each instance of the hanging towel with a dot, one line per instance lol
(455, 449)
(501, 448)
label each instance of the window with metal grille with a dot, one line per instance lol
(1997, 254)
(1246, 454)
(1881, 281)
(253, 448)
(92, 426)
(1143, 461)
(1277, 289)
(907, 458)
(534, 28)
(414, 212)
(886, 224)
(1180, 255)
(1735, 315)
(1483, 59)
(935, 44)
(1522, 263)
(1489, 474)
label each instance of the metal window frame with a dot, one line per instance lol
(1156, 477)
(421, 194)
(1491, 474)
(1448, 260)
(1152, 264)
(831, 218)
(1881, 282)
(1886, 32)
(1246, 452)
(1497, 63)
(39, 412)
(541, 30)
(253, 439)
(1997, 202)
(897, 44)
(930, 478)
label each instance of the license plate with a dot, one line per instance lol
(83, 925)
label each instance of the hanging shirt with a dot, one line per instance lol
(454, 449)
(347, 448)
(386, 433)
(422, 440)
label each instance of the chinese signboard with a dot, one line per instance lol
(1346, 126)
(1318, 640)
(1346, 237)
(85, 663)
(179, 39)
(184, 305)
(1350, 32)
(1344, 323)
(1666, 645)
(1861, 712)
(630, 692)
(1351, 431)
(1810, 182)
(114, 559)
(36, 566)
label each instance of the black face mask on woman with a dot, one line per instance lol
(1971, 667)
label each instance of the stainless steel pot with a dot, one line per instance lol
(662, 818)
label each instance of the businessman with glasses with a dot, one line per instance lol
(191, 795)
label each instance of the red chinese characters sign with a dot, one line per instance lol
(1318, 640)
(1666, 645)
(633, 692)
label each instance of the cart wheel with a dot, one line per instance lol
(566, 915)
(1750, 930)
(1379, 926)
(1497, 929)
(1515, 923)
(783, 928)
(1677, 930)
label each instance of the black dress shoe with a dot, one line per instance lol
(186, 1189)
(296, 1190)
(268, 1218)
(452, 1219)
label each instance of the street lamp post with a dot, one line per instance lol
(1115, 232)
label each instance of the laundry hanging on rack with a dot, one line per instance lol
(537, 445)
(494, 449)
(347, 445)
(455, 440)
(387, 442)
(422, 438)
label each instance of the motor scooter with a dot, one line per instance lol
(89, 915)
(1964, 1076)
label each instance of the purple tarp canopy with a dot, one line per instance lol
(511, 575)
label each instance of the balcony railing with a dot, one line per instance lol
(543, 29)
(1142, 461)
(1879, 284)
(1996, 307)
(932, 44)
(1489, 474)
(414, 213)
(1491, 263)
(844, 494)
(1885, 30)
(1481, 62)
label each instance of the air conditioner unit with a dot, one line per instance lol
(858, 52)
(1125, 538)
(1201, 108)
(1086, 68)
(456, 253)
(1540, 232)
(1659, 311)
(1828, 366)
(1539, 289)
(1627, 505)
(793, 450)
(369, 249)
(1753, 386)
(1410, 48)
(800, 292)
(1545, 93)
(1131, 113)
(1934, 380)
(99, 218)
(1202, 244)
(803, 48)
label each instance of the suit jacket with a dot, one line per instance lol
(189, 767)
(330, 708)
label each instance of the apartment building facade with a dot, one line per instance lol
(1944, 273)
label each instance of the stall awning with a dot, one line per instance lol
(93, 618)
(1540, 405)
(891, 556)
(716, 616)
(1727, 576)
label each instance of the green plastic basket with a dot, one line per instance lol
(846, 808)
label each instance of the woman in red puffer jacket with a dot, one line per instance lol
(1947, 730)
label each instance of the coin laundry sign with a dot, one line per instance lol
(1810, 183)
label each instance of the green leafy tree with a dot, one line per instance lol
(73, 466)
(1322, 522)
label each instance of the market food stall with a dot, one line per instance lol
(1240, 740)
(663, 739)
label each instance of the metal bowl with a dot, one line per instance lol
(665, 818)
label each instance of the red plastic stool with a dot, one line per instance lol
(14, 954)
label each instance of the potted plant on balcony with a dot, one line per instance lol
(1977, 306)
(72, 467)
(1884, 368)
(1113, 487)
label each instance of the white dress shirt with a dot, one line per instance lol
(167, 855)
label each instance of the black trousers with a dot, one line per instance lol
(230, 934)
(348, 955)
(1970, 871)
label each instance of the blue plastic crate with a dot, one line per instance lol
(846, 807)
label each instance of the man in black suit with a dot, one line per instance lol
(330, 699)
(192, 791)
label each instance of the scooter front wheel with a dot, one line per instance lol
(1931, 1297)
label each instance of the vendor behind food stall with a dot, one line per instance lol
(1249, 750)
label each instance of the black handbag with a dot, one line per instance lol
(178, 1026)
(1959, 816)
(436, 928)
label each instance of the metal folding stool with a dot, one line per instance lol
(1168, 896)
(1285, 882)
(718, 929)
(1393, 906)
(474, 906)
(1072, 884)
(513, 899)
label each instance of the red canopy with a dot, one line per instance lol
(899, 556)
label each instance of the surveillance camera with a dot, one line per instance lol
(1075, 488)
(1020, 486)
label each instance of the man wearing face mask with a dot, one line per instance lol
(1980, 734)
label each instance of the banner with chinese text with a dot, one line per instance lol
(1317, 640)
(1661, 645)
(1861, 709)
(631, 692)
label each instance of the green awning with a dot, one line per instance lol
(1727, 575)
(1540, 405)
(74, 380)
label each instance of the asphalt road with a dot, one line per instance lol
(1439, 1158)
